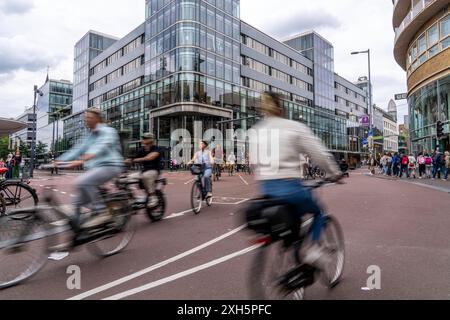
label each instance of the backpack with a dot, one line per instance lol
(405, 161)
(428, 161)
(422, 160)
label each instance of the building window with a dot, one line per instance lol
(445, 27)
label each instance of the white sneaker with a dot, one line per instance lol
(153, 201)
(316, 257)
(209, 195)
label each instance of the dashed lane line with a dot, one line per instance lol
(155, 267)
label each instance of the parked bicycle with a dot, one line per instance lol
(315, 172)
(17, 194)
(198, 193)
(277, 269)
(27, 235)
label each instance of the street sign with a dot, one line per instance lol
(370, 133)
(364, 121)
(401, 96)
(364, 142)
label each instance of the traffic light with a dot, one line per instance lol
(440, 129)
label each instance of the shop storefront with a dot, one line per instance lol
(427, 106)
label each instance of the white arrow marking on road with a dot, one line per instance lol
(183, 274)
(156, 266)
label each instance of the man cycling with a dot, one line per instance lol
(101, 155)
(149, 156)
(280, 178)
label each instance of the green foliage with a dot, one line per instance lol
(4, 150)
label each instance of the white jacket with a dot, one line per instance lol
(276, 145)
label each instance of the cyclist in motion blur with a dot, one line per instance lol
(101, 154)
(283, 181)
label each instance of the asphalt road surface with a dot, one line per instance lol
(402, 228)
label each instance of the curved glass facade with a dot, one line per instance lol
(427, 106)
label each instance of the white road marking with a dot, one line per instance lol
(243, 180)
(48, 188)
(73, 196)
(55, 190)
(242, 201)
(155, 267)
(63, 192)
(189, 182)
(179, 214)
(183, 274)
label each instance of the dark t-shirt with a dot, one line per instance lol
(149, 165)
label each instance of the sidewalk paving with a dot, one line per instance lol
(436, 184)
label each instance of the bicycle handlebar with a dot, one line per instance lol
(59, 165)
(325, 182)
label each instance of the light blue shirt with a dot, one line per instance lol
(103, 143)
(203, 158)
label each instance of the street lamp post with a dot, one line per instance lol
(33, 142)
(371, 110)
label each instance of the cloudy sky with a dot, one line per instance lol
(35, 34)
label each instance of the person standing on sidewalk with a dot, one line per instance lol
(404, 166)
(422, 165)
(447, 165)
(437, 164)
(395, 163)
(412, 166)
(428, 165)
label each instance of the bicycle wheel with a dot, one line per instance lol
(333, 243)
(196, 198)
(121, 234)
(18, 195)
(2, 206)
(322, 174)
(157, 213)
(23, 247)
(270, 268)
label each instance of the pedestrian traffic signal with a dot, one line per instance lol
(440, 129)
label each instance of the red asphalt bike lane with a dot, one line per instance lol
(402, 228)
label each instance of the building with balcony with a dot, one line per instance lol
(422, 49)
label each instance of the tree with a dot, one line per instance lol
(24, 150)
(4, 147)
(41, 148)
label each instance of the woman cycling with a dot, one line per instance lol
(204, 157)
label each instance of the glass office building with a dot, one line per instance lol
(195, 60)
(50, 109)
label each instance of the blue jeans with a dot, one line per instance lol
(208, 179)
(294, 193)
